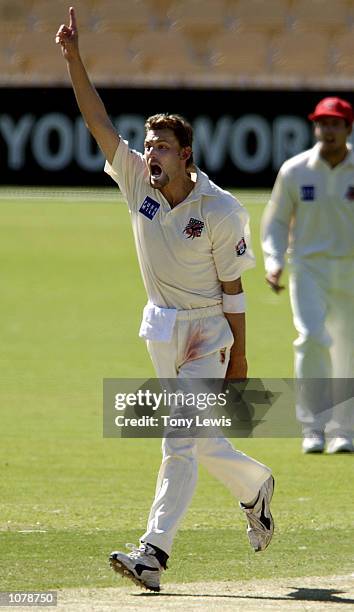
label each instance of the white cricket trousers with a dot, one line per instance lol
(322, 300)
(200, 348)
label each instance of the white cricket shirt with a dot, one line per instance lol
(183, 252)
(311, 210)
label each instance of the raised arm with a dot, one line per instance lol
(90, 104)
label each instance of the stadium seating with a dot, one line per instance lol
(177, 58)
(257, 42)
(197, 18)
(237, 53)
(36, 56)
(123, 16)
(48, 16)
(301, 55)
(320, 15)
(15, 15)
(159, 10)
(267, 16)
(344, 55)
(10, 66)
(120, 65)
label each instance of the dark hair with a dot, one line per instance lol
(181, 128)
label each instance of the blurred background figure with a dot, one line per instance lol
(311, 213)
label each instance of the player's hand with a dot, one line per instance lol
(237, 368)
(68, 37)
(273, 278)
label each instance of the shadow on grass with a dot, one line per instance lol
(300, 594)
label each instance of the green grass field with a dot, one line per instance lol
(71, 300)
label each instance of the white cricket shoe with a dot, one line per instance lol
(313, 442)
(259, 518)
(140, 565)
(341, 444)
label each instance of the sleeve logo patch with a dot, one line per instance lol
(149, 208)
(241, 247)
(193, 228)
(307, 193)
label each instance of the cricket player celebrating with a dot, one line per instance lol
(192, 244)
(311, 212)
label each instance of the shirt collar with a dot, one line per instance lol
(315, 158)
(203, 187)
(349, 160)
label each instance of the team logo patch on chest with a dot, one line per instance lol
(241, 247)
(350, 193)
(149, 208)
(307, 193)
(193, 228)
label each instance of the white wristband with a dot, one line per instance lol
(234, 303)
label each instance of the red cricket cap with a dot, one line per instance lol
(333, 107)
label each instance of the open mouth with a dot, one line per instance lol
(155, 171)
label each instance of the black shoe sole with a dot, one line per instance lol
(123, 571)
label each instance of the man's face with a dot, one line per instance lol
(332, 133)
(164, 156)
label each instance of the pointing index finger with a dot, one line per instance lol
(72, 23)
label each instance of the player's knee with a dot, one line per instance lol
(178, 447)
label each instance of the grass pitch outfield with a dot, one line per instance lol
(71, 299)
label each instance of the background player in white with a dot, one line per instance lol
(311, 213)
(191, 239)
